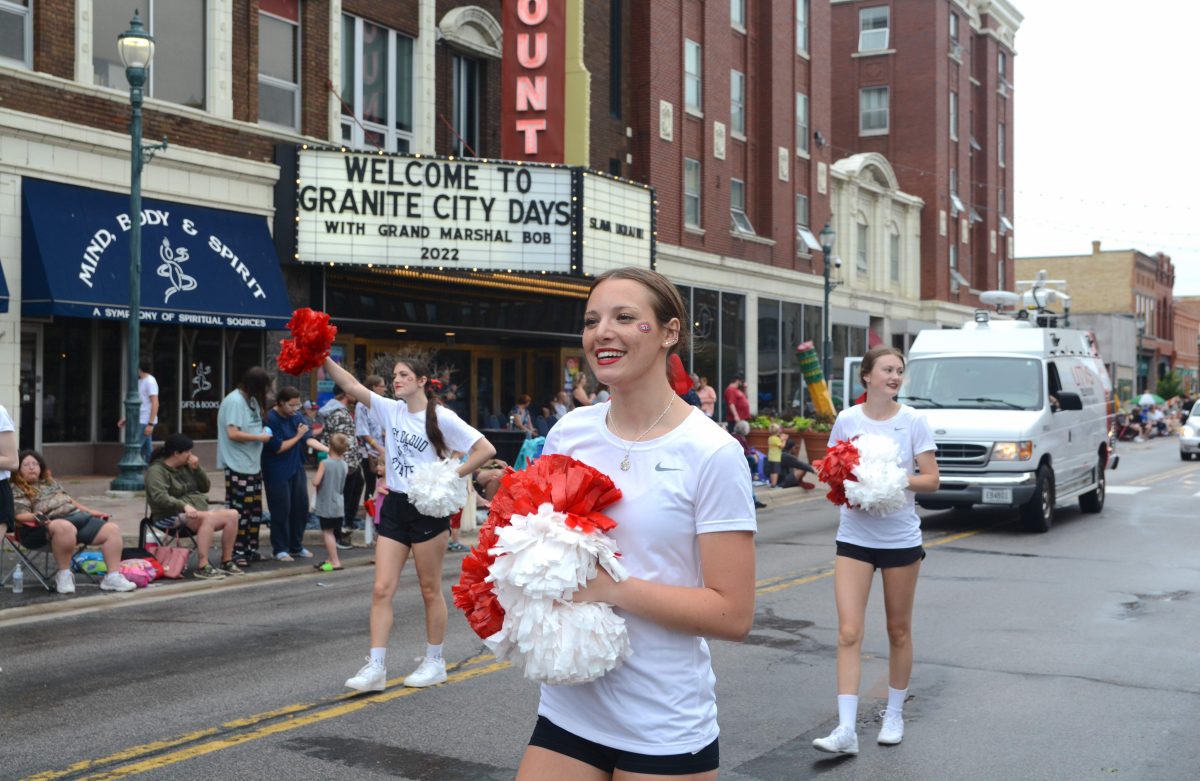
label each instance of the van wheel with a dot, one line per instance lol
(1185, 456)
(1093, 501)
(1038, 513)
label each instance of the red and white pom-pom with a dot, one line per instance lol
(312, 338)
(540, 563)
(544, 539)
(865, 474)
(436, 490)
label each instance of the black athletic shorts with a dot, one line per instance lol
(881, 558)
(550, 736)
(400, 521)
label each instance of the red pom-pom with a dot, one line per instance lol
(680, 381)
(570, 486)
(312, 338)
(836, 468)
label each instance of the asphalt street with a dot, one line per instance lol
(1068, 655)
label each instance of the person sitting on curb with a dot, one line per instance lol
(177, 492)
(46, 514)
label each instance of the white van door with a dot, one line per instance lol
(1069, 467)
(852, 386)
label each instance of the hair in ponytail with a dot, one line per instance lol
(432, 432)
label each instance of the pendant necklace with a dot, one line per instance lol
(612, 423)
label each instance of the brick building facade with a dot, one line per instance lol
(929, 85)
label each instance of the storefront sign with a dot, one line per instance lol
(618, 224)
(469, 215)
(200, 267)
(533, 74)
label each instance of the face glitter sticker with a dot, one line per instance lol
(644, 327)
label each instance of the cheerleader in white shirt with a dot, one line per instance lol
(891, 543)
(686, 527)
(418, 429)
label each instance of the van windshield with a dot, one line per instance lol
(975, 382)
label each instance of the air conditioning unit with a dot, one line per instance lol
(956, 50)
(1003, 88)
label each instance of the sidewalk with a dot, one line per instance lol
(127, 512)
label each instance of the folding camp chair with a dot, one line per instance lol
(39, 562)
(175, 536)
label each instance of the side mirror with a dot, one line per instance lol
(1069, 402)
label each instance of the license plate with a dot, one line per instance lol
(997, 496)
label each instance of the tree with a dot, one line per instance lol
(1169, 385)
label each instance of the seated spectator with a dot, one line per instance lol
(177, 492)
(1158, 420)
(45, 514)
(741, 430)
(794, 469)
(520, 417)
(561, 404)
(487, 481)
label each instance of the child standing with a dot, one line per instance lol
(775, 444)
(330, 481)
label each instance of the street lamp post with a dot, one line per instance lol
(827, 236)
(137, 49)
(1140, 322)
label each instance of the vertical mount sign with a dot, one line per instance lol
(533, 75)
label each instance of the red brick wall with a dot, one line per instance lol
(766, 53)
(607, 132)
(54, 38)
(489, 89)
(315, 95)
(920, 75)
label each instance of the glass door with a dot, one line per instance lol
(29, 424)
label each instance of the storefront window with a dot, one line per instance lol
(768, 355)
(705, 329)
(202, 382)
(67, 382)
(791, 400)
(243, 350)
(111, 346)
(162, 345)
(733, 335)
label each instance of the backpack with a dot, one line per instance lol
(141, 572)
(89, 561)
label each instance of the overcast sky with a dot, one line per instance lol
(1106, 131)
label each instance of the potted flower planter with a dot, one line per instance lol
(815, 444)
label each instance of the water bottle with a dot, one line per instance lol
(18, 579)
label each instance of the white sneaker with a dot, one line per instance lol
(893, 728)
(430, 673)
(371, 678)
(842, 740)
(64, 582)
(115, 581)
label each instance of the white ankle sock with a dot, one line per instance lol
(433, 651)
(896, 700)
(848, 711)
(378, 655)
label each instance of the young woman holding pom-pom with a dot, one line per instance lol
(685, 528)
(891, 543)
(418, 430)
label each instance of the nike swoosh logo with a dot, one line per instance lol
(899, 428)
(660, 468)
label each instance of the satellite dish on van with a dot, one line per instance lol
(999, 298)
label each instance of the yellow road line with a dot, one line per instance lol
(1161, 476)
(771, 585)
(351, 702)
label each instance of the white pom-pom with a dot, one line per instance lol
(436, 490)
(881, 480)
(540, 562)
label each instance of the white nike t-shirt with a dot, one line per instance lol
(691, 481)
(908, 429)
(406, 444)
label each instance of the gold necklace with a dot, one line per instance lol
(612, 422)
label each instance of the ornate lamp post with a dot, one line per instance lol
(137, 49)
(827, 236)
(1140, 322)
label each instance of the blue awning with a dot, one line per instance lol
(200, 267)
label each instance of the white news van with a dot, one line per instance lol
(1019, 411)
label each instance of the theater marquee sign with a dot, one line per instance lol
(430, 212)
